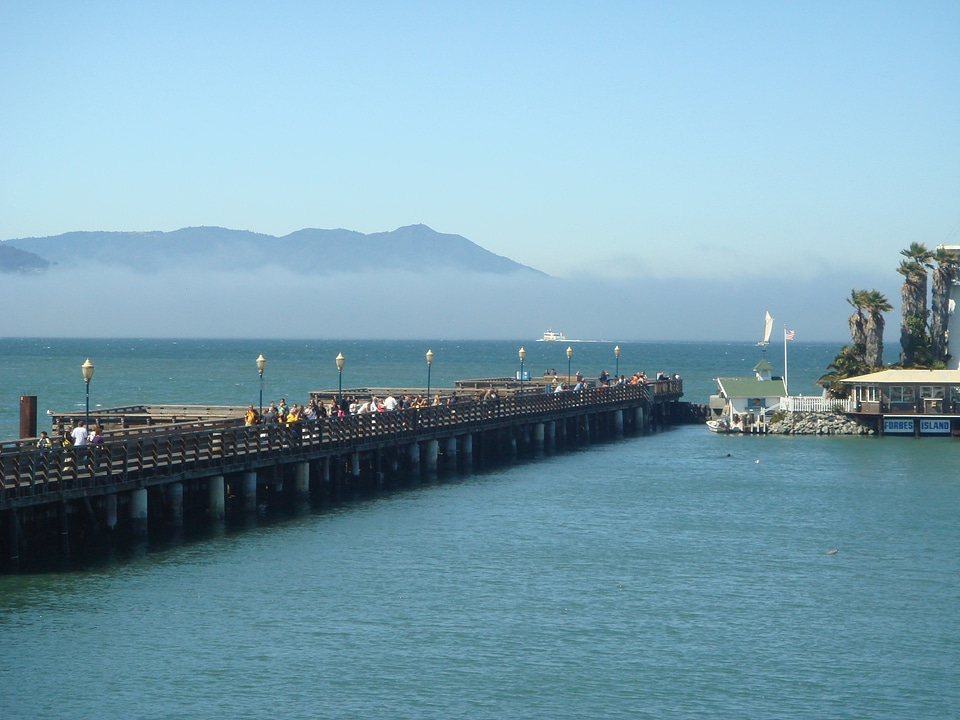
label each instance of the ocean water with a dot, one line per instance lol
(676, 575)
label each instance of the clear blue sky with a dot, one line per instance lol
(585, 139)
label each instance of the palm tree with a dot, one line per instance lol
(913, 296)
(942, 280)
(857, 321)
(875, 303)
(846, 364)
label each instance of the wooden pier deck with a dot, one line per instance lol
(159, 466)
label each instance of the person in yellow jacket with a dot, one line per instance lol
(250, 417)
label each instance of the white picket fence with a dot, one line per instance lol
(816, 404)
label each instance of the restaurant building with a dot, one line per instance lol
(908, 402)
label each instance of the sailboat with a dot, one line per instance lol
(767, 329)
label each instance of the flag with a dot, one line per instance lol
(788, 334)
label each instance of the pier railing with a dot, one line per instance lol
(148, 455)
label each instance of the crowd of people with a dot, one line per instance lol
(603, 380)
(280, 412)
(77, 436)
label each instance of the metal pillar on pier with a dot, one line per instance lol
(538, 437)
(63, 515)
(302, 482)
(413, 453)
(175, 498)
(618, 423)
(138, 512)
(217, 506)
(466, 447)
(450, 454)
(431, 451)
(110, 511)
(249, 491)
(13, 534)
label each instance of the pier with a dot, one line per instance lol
(167, 467)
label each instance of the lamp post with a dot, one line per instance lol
(523, 355)
(87, 370)
(616, 354)
(429, 363)
(340, 386)
(569, 355)
(261, 364)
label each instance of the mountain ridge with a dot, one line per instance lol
(414, 248)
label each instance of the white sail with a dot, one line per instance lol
(767, 329)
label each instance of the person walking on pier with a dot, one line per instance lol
(250, 417)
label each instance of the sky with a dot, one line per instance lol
(792, 148)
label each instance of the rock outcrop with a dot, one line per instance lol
(828, 423)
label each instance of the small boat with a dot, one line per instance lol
(552, 336)
(721, 426)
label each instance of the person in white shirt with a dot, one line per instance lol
(79, 435)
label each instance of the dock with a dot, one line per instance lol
(171, 466)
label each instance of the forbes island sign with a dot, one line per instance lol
(907, 426)
(935, 427)
(897, 426)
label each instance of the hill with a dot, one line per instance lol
(13, 260)
(310, 251)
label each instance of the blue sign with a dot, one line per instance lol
(935, 427)
(893, 427)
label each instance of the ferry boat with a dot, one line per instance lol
(552, 336)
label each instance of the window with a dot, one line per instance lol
(901, 394)
(931, 391)
(868, 393)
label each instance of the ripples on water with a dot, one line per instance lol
(655, 577)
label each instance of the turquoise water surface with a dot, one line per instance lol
(676, 575)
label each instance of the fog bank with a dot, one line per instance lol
(274, 303)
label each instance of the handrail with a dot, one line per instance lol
(143, 454)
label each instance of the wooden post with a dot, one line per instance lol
(28, 416)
